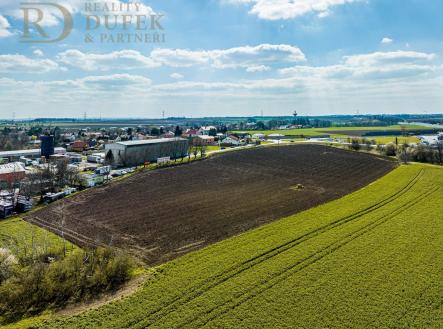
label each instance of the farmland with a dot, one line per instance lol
(372, 259)
(23, 238)
(342, 131)
(162, 214)
(391, 139)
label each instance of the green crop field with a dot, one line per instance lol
(322, 131)
(212, 148)
(392, 139)
(23, 238)
(373, 259)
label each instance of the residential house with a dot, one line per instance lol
(206, 130)
(231, 141)
(258, 136)
(78, 146)
(191, 133)
(204, 140)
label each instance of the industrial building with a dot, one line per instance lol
(11, 173)
(133, 153)
(31, 154)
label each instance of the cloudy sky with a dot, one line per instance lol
(227, 58)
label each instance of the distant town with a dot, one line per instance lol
(44, 160)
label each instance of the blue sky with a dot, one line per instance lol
(230, 57)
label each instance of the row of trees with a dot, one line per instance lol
(194, 149)
(274, 124)
(51, 178)
(416, 153)
(404, 152)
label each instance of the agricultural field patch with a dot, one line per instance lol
(162, 214)
(372, 259)
(24, 239)
(342, 131)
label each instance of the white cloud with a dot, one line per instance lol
(258, 68)
(238, 57)
(108, 83)
(176, 76)
(388, 57)
(180, 57)
(247, 56)
(4, 27)
(387, 41)
(38, 53)
(288, 9)
(88, 87)
(123, 59)
(20, 63)
(379, 65)
(252, 59)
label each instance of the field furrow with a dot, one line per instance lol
(250, 263)
(371, 259)
(261, 288)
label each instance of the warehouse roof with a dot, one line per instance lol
(205, 137)
(33, 152)
(150, 141)
(12, 167)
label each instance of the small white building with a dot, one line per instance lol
(207, 130)
(276, 136)
(258, 136)
(432, 140)
(231, 140)
(205, 140)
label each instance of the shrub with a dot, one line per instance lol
(390, 149)
(355, 144)
(8, 264)
(79, 276)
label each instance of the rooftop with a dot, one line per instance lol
(28, 152)
(12, 167)
(150, 141)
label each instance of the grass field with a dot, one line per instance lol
(212, 148)
(322, 131)
(23, 238)
(372, 259)
(391, 139)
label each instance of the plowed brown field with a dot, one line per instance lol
(159, 215)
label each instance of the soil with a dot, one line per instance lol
(161, 214)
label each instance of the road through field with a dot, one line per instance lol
(372, 259)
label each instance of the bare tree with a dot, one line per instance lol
(190, 149)
(60, 211)
(403, 154)
(203, 149)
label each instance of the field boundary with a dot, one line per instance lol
(268, 284)
(235, 270)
